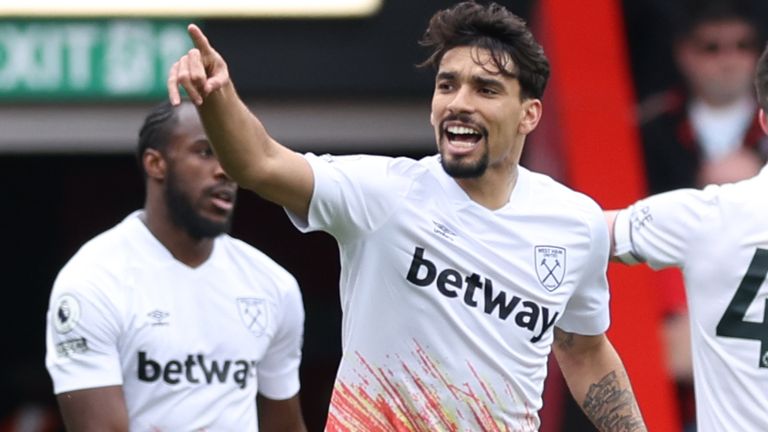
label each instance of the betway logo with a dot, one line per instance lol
(196, 369)
(449, 282)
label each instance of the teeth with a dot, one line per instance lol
(462, 144)
(461, 130)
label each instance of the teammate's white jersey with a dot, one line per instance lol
(190, 346)
(719, 238)
(449, 307)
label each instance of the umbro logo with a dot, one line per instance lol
(158, 317)
(443, 230)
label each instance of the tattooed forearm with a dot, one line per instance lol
(611, 405)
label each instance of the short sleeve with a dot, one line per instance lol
(587, 311)
(352, 194)
(82, 332)
(659, 229)
(278, 371)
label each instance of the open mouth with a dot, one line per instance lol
(223, 199)
(465, 137)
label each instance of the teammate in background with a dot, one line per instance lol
(705, 131)
(718, 236)
(460, 271)
(165, 322)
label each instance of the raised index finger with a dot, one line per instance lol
(199, 39)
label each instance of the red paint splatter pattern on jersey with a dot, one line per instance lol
(384, 400)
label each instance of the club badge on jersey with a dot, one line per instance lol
(255, 314)
(550, 266)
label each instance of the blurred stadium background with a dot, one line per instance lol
(74, 89)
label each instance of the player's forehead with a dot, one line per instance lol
(188, 128)
(476, 60)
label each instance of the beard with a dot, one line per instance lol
(184, 215)
(459, 169)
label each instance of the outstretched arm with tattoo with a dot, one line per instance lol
(598, 381)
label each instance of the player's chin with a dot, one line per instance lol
(464, 167)
(217, 216)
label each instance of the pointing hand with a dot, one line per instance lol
(200, 72)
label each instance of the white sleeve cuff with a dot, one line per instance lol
(622, 236)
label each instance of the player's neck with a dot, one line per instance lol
(493, 189)
(188, 250)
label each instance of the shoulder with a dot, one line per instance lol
(100, 270)
(103, 255)
(741, 196)
(687, 212)
(691, 201)
(550, 193)
(242, 254)
(365, 162)
(573, 214)
(367, 170)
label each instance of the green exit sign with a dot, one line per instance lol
(88, 60)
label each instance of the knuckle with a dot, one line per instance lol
(183, 76)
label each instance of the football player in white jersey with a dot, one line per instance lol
(460, 271)
(718, 236)
(165, 322)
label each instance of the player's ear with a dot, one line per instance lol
(154, 163)
(530, 115)
(763, 120)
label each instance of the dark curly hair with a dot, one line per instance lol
(491, 27)
(156, 131)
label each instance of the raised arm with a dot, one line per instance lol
(246, 151)
(100, 409)
(598, 381)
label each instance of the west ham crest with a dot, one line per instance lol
(254, 313)
(550, 266)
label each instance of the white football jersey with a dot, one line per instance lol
(190, 346)
(449, 307)
(719, 238)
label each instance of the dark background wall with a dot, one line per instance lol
(373, 56)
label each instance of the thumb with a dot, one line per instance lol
(199, 39)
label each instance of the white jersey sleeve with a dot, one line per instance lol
(587, 312)
(278, 371)
(352, 194)
(83, 329)
(660, 229)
